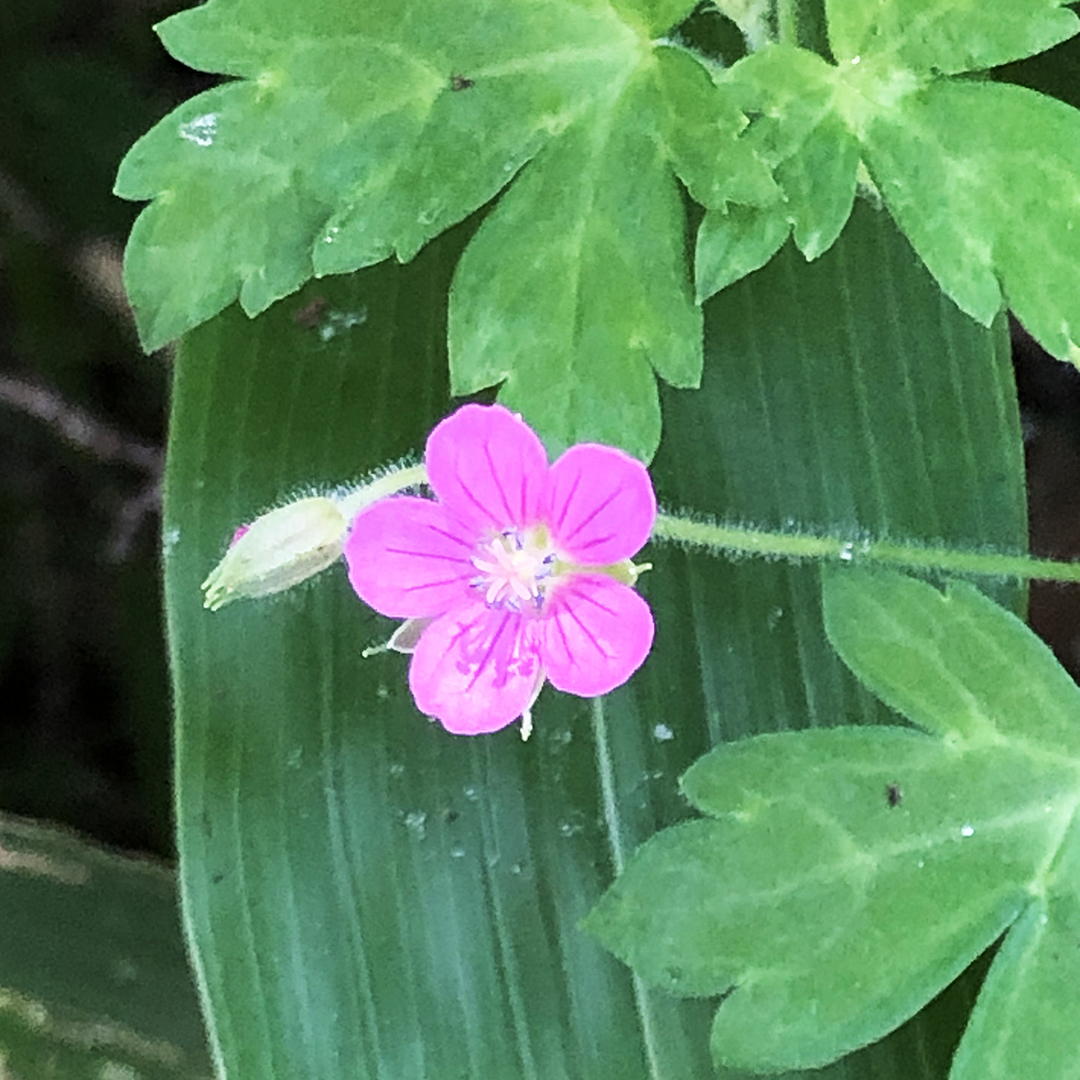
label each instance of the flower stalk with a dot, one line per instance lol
(281, 553)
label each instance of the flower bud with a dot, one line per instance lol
(277, 551)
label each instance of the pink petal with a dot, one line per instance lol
(602, 504)
(475, 669)
(408, 558)
(596, 635)
(488, 467)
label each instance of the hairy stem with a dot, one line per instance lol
(746, 540)
(352, 502)
(724, 539)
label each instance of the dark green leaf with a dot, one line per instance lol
(94, 980)
(368, 897)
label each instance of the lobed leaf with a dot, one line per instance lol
(814, 157)
(734, 242)
(360, 132)
(954, 663)
(700, 123)
(845, 876)
(946, 36)
(984, 179)
(1026, 1018)
(603, 297)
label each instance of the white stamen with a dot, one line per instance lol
(513, 568)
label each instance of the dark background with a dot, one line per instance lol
(84, 698)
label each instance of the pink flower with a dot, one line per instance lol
(520, 569)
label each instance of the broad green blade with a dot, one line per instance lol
(369, 897)
(93, 978)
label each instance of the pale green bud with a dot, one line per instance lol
(277, 551)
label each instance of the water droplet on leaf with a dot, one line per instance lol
(416, 822)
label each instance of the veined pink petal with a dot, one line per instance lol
(602, 505)
(408, 558)
(596, 635)
(475, 669)
(488, 467)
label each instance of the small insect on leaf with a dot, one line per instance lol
(894, 795)
(460, 82)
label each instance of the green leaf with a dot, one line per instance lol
(946, 36)
(824, 914)
(367, 897)
(359, 132)
(603, 298)
(340, 149)
(984, 179)
(847, 875)
(700, 123)
(791, 93)
(1026, 1017)
(819, 183)
(732, 244)
(954, 663)
(94, 980)
(659, 15)
(981, 177)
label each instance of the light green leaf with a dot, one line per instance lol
(659, 15)
(819, 184)
(847, 875)
(700, 123)
(946, 36)
(796, 130)
(733, 244)
(984, 180)
(361, 131)
(94, 980)
(1026, 1018)
(823, 913)
(954, 663)
(603, 297)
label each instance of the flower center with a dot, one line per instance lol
(515, 568)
